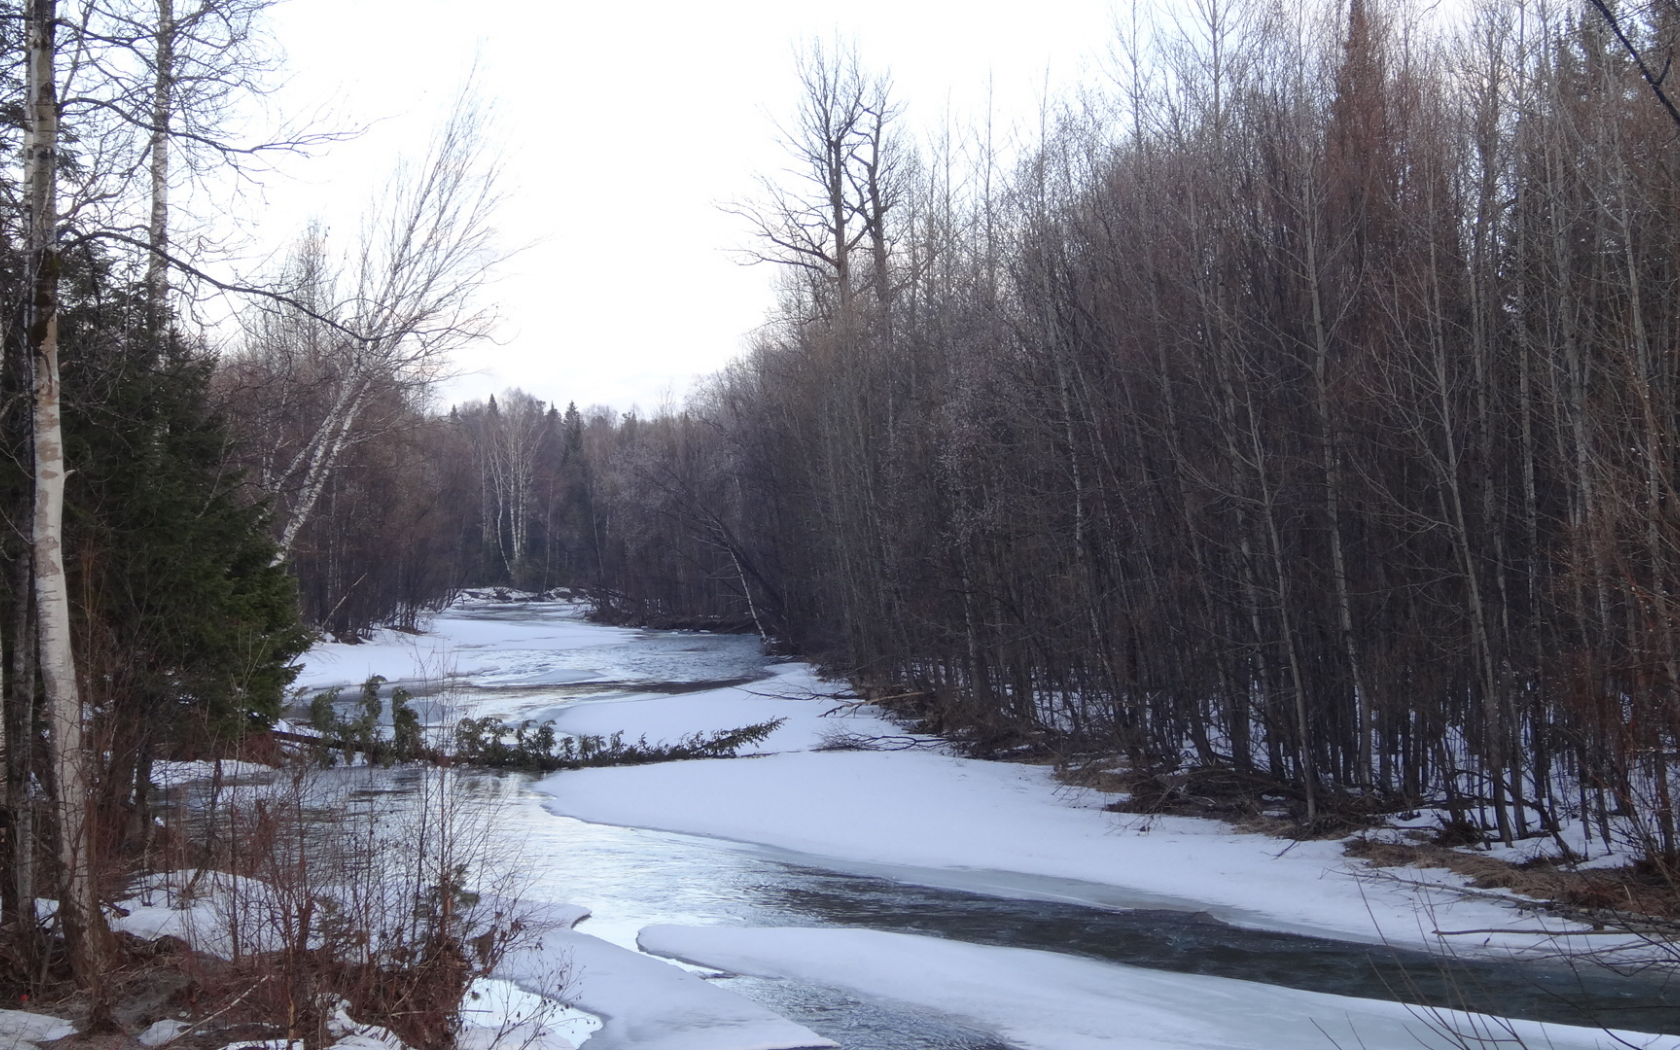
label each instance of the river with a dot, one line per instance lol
(632, 877)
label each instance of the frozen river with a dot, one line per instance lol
(809, 923)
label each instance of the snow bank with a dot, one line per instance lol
(934, 811)
(1044, 1001)
(197, 908)
(20, 1030)
(497, 1015)
(646, 1004)
(793, 692)
(469, 641)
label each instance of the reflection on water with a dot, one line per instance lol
(631, 878)
(861, 1024)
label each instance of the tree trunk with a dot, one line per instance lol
(79, 915)
(157, 272)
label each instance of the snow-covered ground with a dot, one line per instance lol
(20, 1030)
(932, 810)
(966, 822)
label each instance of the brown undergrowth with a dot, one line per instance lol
(330, 900)
(1636, 898)
(1623, 897)
(215, 1002)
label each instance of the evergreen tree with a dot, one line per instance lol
(186, 625)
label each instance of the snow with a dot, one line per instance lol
(929, 810)
(1045, 1001)
(164, 1031)
(644, 1004)
(647, 1004)
(197, 907)
(498, 1015)
(21, 1030)
(470, 641)
(668, 719)
(521, 1036)
(167, 774)
(922, 814)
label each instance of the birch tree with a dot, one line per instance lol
(205, 55)
(384, 318)
(79, 913)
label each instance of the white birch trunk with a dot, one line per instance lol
(330, 443)
(82, 923)
(157, 272)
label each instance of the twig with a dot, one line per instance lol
(201, 1022)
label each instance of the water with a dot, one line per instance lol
(632, 877)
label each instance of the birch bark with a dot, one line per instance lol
(157, 269)
(83, 924)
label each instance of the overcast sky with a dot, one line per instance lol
(625, 125)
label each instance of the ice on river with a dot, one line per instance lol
(918, 810)
(930, 810)
(529, 644)
(1045, 1001)
(647, 1004)
(526, 646)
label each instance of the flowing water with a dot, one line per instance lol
(631, 877)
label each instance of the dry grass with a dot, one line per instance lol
(1635, 896)
(1603, 896)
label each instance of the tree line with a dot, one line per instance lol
(1302, 405)
(1306, 406)
(158, 477)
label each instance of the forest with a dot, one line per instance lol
(1301, 405)
(149, 607)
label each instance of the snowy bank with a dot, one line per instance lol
(1045, 1001)
(20, 1030)
(930, 810)
(646, 1004)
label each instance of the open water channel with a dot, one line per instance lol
(631, 877)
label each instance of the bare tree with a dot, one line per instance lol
(78, 904)
(384, 318)
(845, 180)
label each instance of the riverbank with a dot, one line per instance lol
(844, 787)
(844, 782)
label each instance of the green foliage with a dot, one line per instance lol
(535, 747)
(322, 714)
(406, 739)
(361, 734)
(189, 626)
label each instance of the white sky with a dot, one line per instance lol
(626, 124)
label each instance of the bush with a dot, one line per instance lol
(361, 734)
(534, 747)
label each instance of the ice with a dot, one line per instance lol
(936, 811)
(790, 694)
(527, 646)
(1045, 1001)
(646, 1004)
(529, 643)
(922, 809)
(167, 774)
